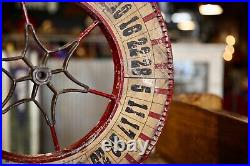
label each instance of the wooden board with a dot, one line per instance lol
(196, 135)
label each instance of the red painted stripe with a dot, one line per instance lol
(161, 66)
(149, 17)
(158, 41)
(154, 115)
(130, 159)
(144, 137)
(161, 91)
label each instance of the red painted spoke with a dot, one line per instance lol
(54, 137)
(88, 30)
(103, 94)
(25, 13)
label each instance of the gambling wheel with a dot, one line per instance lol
(142, 90)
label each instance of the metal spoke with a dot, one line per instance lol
(64, 51)
(24, 78)
(103, 94)
(6, 100)
(52, 88)
(12, 89)
(88, 30)
(34, 91)
(43, 112)
(55, 97)
(75, 80)
(12, 58)
(73, 90)
(16, 104)
(67, 50)
(27, 62)
(8, 74)
(54, 138)
(30, 32)
(25, 13)
(69, 53)
(56, 71)
(53, 108)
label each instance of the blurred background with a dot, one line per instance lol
(210, 56)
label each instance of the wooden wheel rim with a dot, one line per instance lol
(154, 31)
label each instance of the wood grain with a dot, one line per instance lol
(196, 135)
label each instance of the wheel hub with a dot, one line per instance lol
(41, 75)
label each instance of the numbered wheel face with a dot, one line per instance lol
(142, 89)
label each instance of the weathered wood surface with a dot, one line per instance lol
(196, 135)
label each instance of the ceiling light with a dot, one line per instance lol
(227, 56)
(230, 40)
(181, 17)
(229, 49)
(186, 26)
(210, 9)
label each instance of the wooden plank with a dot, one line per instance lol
(196, 135)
